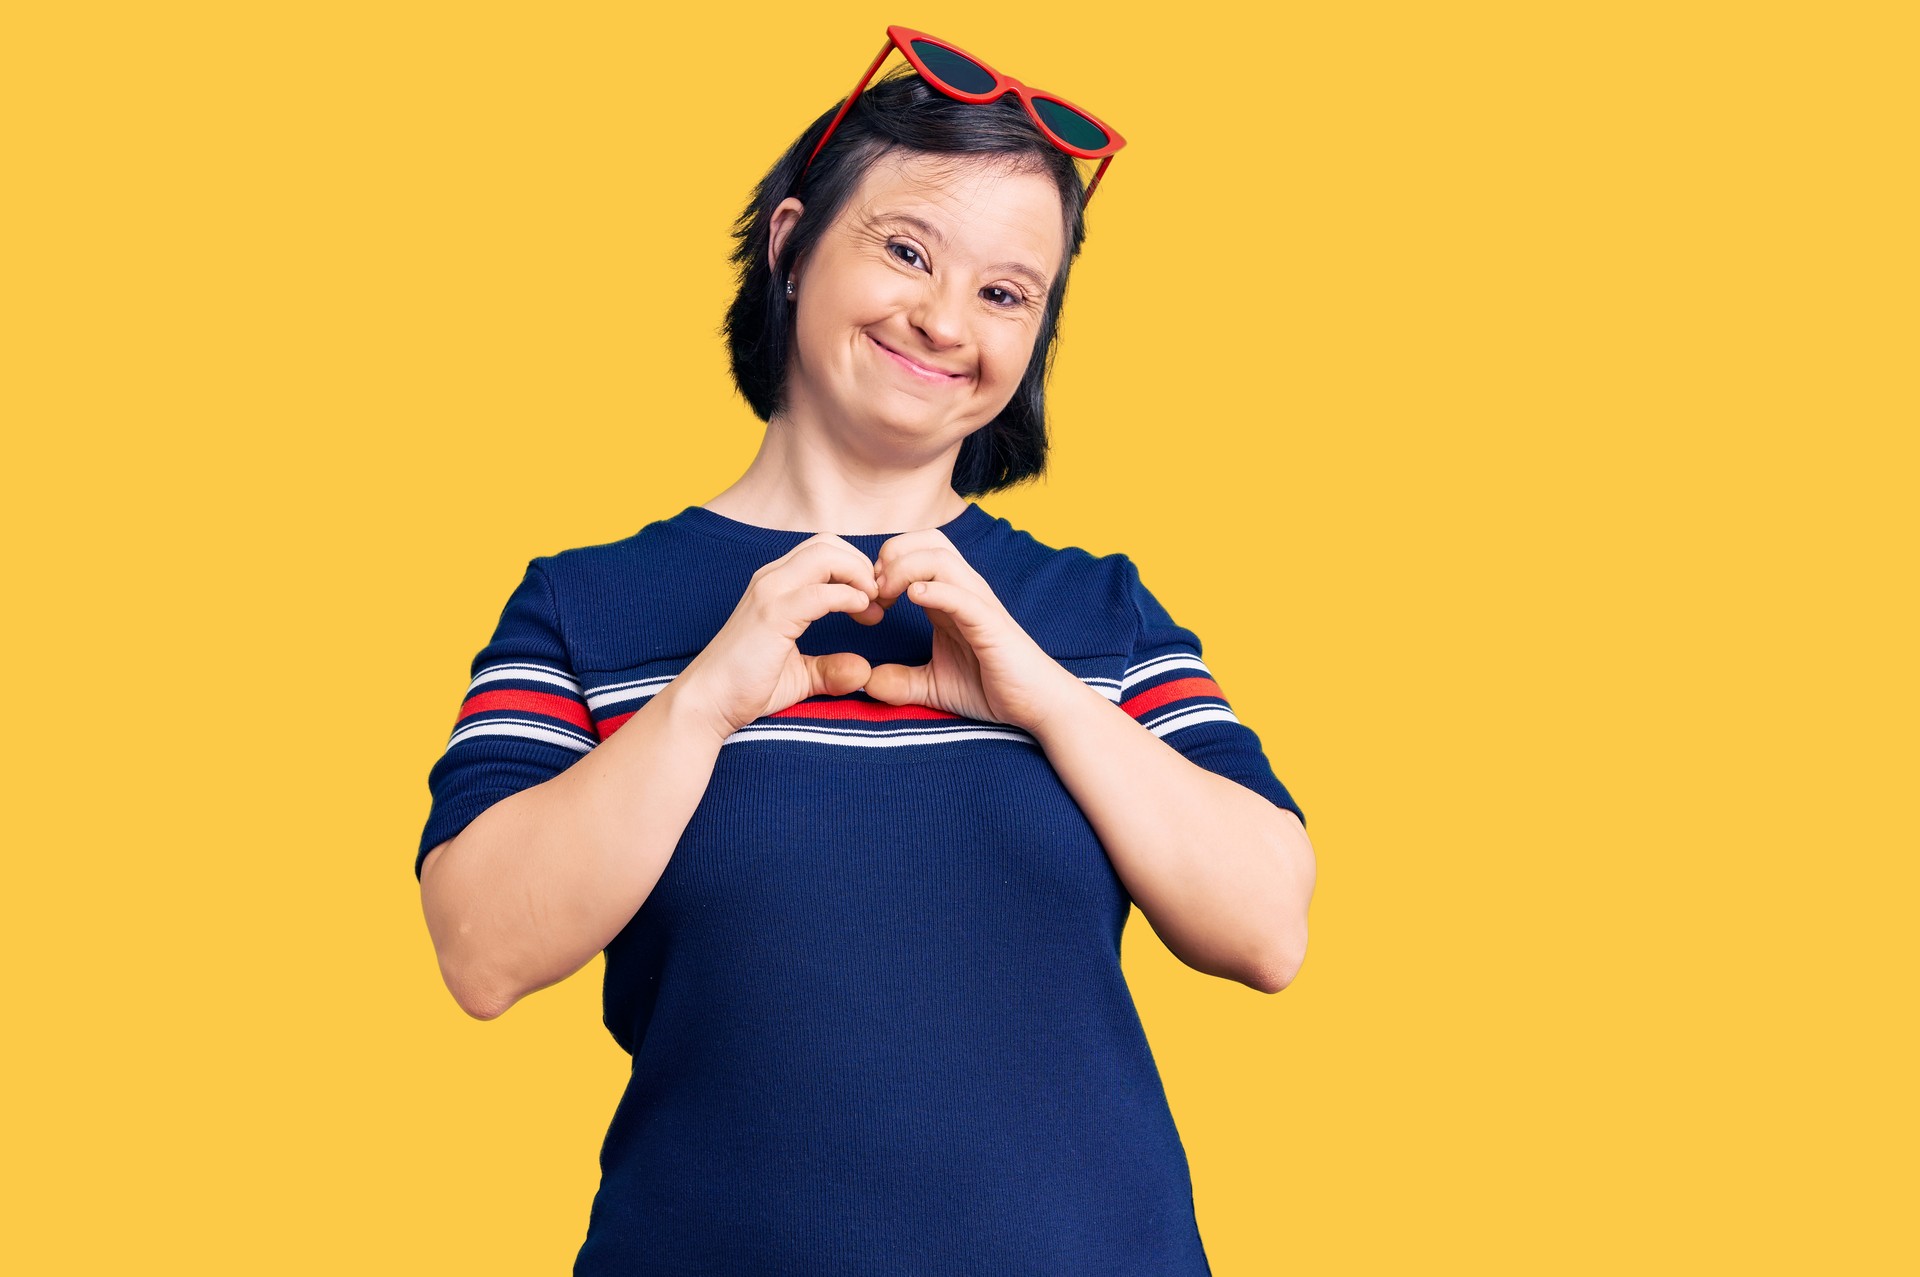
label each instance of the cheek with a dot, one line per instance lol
(1005, 357)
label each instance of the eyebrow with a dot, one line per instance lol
(933, 233)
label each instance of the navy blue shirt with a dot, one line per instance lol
(874, 1002)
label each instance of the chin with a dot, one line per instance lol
(898, 414)
(906, 422)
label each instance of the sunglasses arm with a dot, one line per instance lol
(846, 106)
(1088, 198)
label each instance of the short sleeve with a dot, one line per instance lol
(524, 719)
(1172, 693)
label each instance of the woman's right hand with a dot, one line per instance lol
(753, 667)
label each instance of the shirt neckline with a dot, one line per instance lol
(964, 527)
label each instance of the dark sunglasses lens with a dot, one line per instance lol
(962, 73)
(1070, 124)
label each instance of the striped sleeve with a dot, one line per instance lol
(1168, 688)
(523, 720)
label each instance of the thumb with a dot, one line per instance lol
(836, 673)
(898, 684)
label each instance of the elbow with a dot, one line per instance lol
(1280, 969)
(474, 997)
(473, 989)
(478, 985)
(486, 1010)
(1286, 951)
(475, 983)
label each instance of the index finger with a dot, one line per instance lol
(907, 542)
(824, 556)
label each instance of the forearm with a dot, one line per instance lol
(1223, 875)
(542, 880)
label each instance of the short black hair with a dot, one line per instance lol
(899, 112)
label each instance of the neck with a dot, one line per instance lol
(802, 478)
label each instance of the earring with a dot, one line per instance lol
(789, 287)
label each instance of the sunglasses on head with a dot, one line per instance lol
(960, 75)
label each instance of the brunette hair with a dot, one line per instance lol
(897, 113)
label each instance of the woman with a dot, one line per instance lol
(857, 816)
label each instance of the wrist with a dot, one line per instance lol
(1068, 701)
(689, 715)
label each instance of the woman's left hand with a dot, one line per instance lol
(984, 666)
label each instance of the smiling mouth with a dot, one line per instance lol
(918, 370)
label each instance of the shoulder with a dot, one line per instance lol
(584, 560)
(606, 595)
(648, 552)
(1066, 596)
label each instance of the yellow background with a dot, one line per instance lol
(1516, 398)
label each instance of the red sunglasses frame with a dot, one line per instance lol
(902, 38)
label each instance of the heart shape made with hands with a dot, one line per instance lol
(984, 665)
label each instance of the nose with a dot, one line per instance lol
(938, 312)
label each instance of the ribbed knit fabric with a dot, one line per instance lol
(875, 1003)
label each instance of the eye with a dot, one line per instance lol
(1013, 300)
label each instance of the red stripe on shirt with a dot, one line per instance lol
(859, 711)
(1179, 689)
(564, 708)
(863, 711)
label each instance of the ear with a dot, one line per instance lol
(786, 215)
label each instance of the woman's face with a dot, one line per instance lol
(947, 271)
